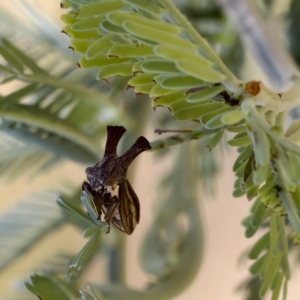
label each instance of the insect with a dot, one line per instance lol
(107, 189)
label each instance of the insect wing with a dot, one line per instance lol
(128, 214)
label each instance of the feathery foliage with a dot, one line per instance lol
(55, 113)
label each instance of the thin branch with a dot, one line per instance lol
(176, 139)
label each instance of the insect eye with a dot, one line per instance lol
(88, 170)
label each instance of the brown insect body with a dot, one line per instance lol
(108, 185)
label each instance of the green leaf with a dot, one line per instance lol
(259, 246)
(180, 104)
(178, 82)
(261, 144)
(80, 45)
(141, 79)
(146, 6)
(259, 214)
(293, 130)
(89, 204)
(199, 71)
(238, 193)
(159, 66)
(91, 231)
(110, 28)
(86, 24)
(242, 141)
(270, 275)
(91, 248)
(46, 287)
(123, 69)
(88, 34)
(267, 187)
(118, 17)
(290, 208)
(83, 2)
(242, 157)
(99, 46)
(100, 61)
(196, 111)
(176, 54)
(213, 120)
(276, 287)
(261, 174)
(157, 90)
(97, 9)
(144, 88)
(291, 164)
(9, 57)
(156, 35)
(205, 93)
(138, 50)
(214, 139)
(20, 56)
(237, 129)
(250, 231)
(233, 117)
(73, 211)
(256, 267)
(168, 99)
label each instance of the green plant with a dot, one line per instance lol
(58, 113)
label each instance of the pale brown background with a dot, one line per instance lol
(225, 243)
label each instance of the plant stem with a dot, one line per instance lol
(200, 41)
(176, 139)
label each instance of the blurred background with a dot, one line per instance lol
(33, 235)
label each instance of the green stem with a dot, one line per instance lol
(176, 139)
(231, 79)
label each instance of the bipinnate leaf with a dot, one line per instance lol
(131, 37)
